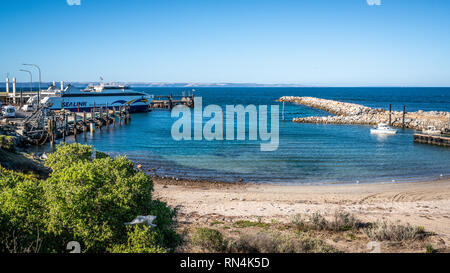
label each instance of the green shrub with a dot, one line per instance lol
(140, 239)
(246, 223)
(208, 239)
(85, 199)
(21, 212)
(7, 143)
(68, 154)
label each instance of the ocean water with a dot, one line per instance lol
(307, 153)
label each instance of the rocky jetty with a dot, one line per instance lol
(351, 113)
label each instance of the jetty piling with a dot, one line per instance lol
(44, 125)
(403, 117)
(432, 139)
(390, 114)
(92, 127)
(170, 101)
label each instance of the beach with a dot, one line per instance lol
(425, 204)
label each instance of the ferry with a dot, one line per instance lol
(106, 86)
(75, 99)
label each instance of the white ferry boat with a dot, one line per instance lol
(75, 99)
(106, 86)
(384, 129)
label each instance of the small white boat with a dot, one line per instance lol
(384, 129)
(431, 130)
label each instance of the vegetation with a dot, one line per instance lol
(276, 242)
(430, 249)
(21, 211)
(208, 239)
(87, 199)
(7, 143)
(246, 223)
(212, 240)
(390, 232)
(341, 222)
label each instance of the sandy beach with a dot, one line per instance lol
(424, 204)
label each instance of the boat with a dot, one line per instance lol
(106, 86)
(431, 130)
(383, 128)
(74, 99)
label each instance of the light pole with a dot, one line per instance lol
(31, 81)
(39, 91)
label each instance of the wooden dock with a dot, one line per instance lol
(432, 139)
(44, 126)
(168, 102)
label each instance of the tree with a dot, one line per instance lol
(21, 213)
(90, 199)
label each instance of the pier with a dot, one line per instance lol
(432, 139)
(45, 126)
(170, 101)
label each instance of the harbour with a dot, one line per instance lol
(226, 127)
(309, 153)
(44, 116)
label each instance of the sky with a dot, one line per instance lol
(313, 42)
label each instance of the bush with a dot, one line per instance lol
(208, 239)
(390, 232)
(7, 143)
(430, 249)
(85, 199)
(341, 221)
(276, 242)
(246, 223)
(140, 239)
(21, 211)
(68, 154)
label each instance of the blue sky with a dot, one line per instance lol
(314, 42)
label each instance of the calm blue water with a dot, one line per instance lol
(307, 153)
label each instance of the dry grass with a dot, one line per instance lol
(314, 233)
(384, 231)
(212, 240)
(276, 242)
(341, 222)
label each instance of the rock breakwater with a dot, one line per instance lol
(351, 113)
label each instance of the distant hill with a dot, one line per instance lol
(191, 84)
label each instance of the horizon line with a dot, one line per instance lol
(230, 84)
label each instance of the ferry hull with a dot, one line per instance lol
(87, 103)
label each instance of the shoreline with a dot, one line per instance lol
(174, 180)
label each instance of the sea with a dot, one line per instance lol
(307, 153)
